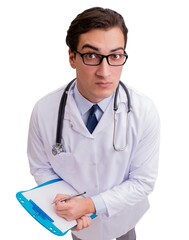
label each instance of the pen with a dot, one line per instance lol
(72, 196)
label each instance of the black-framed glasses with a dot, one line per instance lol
(95, 59)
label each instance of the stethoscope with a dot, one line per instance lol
(58, 147)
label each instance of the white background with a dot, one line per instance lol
(34, 61)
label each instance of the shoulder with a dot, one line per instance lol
(143, 108)
(139, 101)
(49, 103)
(51, 97)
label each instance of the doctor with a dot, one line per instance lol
(117, 162)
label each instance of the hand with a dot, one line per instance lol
(82, 222)
(74, 208)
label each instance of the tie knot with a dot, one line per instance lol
(93, 109)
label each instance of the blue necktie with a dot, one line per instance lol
(92, 120)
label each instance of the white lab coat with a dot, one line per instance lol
(122, 178)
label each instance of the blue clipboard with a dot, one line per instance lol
(33, 202)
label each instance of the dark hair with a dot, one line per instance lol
(94, 18)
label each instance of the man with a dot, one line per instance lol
(117, 162)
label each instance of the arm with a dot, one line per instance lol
(38, 160)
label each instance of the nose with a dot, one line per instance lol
(103, 69)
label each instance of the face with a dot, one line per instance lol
(96, 83)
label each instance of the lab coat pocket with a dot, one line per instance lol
(64, 165)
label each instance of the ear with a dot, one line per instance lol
(72, 58)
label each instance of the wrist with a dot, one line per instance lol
(90, 207)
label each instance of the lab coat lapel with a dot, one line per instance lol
(73, 115)
(107, 119)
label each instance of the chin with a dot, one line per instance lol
(102, 97)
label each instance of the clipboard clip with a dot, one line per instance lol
(39, 212)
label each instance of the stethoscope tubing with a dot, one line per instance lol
(61, 112)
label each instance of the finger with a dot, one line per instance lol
(61, 210)
(60, 205)
(59, 198)
(79, 225)
(87, 221)
(84, 221)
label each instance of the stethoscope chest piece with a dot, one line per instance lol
(57, 149)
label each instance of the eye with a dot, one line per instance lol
(91, 56)
(116, 56)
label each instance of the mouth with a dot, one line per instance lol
(104, 84)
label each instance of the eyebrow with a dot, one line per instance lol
(97, 49)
